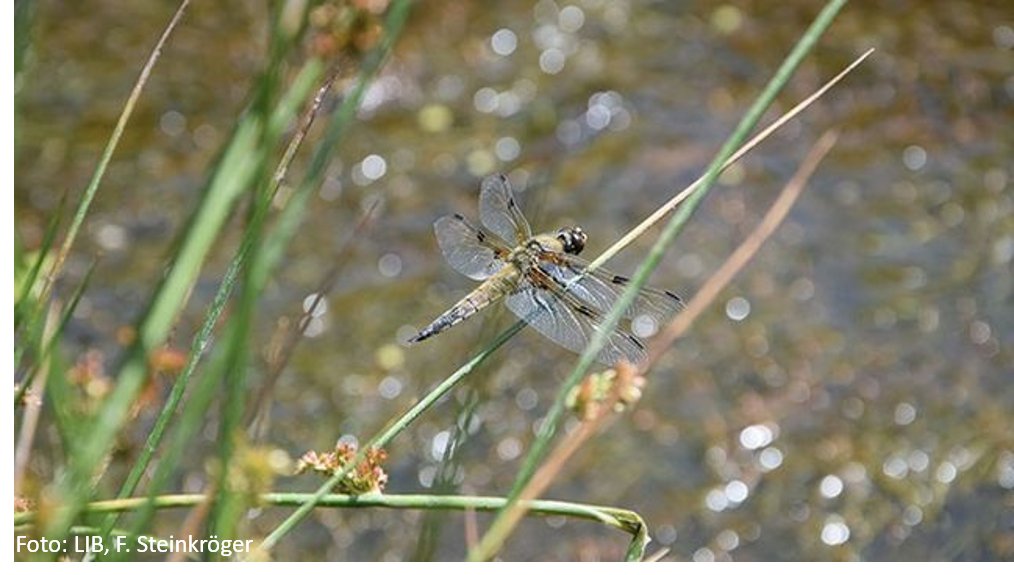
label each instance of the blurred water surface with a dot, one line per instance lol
(849, 396)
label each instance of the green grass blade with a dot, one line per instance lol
(292, 215)
(50, 342)
(228, 504)
(191, 420)
(111, 144)
(233, 175)
(28, 281)
(29, 311)
(301, 86)
(499, 531)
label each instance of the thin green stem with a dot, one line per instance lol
(190, 423)
(385, 436)
(617, 518)
(49, 342)
(29, 280)
(291, 216)
(497, 533)
(114, 140)
(228, 504)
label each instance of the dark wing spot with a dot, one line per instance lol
(458, 217)
(674, 296)
(620, 280)
(585, 310)
(480, 235)
(637, 343)
(510, 203)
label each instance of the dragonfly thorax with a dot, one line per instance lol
(569, 240)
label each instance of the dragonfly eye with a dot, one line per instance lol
(573, 239)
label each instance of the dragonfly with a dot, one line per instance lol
(542, 280)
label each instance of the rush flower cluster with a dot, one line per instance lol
(366, 476)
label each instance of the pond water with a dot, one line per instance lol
(850, 394)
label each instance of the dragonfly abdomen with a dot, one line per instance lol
(459, 312)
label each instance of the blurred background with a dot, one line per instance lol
(849, 396)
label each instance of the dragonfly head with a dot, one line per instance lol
(572, 238)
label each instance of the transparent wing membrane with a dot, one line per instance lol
(499, 211)
(564, 319)
(601, 289)
(468, 249)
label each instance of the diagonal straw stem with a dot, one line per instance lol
(497, 534)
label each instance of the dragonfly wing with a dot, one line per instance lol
(567, 321)
(467, 248)
(601, 289)
(499, 211)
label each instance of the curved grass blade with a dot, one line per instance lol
(622, 519)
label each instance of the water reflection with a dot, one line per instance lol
(849, 398)
(835, 531)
